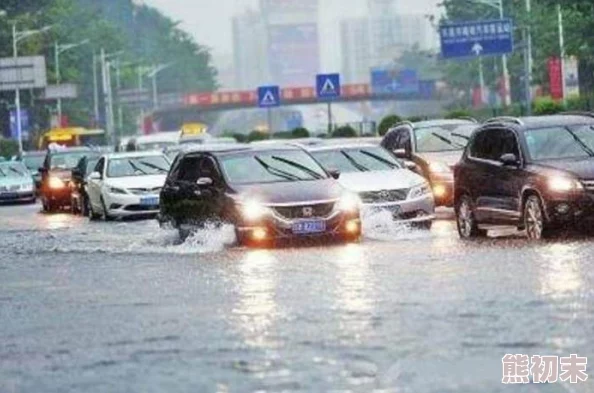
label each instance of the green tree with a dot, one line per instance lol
(258, 136)
(344, 132)
(387, 123)
(300, 132)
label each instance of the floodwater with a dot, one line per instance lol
(123, 307)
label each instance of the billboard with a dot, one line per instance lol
(293, 53)
(392, 81)
(25, 124)
(22, 73)
(572, 84)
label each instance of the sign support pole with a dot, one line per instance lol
(329, 118)
(269, 119)
(17, 98)
(481, 80)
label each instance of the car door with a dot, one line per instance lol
(507, 180)
(95, 185)
(189, 204)
(170, 194)
(212, 194)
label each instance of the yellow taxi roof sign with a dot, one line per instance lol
(193, 129)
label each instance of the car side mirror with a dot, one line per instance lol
(334, 173)
(42, 170)
(401, 153)
(509, 159)
(204, 182)
(95, 176)
(76, 173)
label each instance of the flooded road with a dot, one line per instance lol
(123, 307)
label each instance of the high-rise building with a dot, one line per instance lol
(250, 52)
(354, 37)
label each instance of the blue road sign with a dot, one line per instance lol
(388, 81)
(328, 85)
(268, 96)
(476, 38)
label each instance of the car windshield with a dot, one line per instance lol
(137, 166)
(362, 159)
(560, 142)
(13, 169)
(271, 167)
(91, 164)
(66, 160)
(150, 146)
(443, 138)
(33, 162)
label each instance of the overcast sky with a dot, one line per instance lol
(209, 21)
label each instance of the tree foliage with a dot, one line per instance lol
(344, 132)
(387, 123)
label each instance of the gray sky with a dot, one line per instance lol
(210, 20)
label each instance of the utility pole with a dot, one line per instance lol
(528, 65)
(562, 51)
(481, 80)
(107, 92)
(57, 71)
(506, 87)
(95, 90)
(17, 98)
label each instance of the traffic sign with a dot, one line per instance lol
(268, 96)
(328, 85)
(476, 38)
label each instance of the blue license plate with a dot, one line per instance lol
(9, 195)
(149, 201)
(305, 227)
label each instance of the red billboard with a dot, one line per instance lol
(555, 78)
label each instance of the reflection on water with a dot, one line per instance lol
(354, 290)
(560, 274)
(59, 221)
(256, 309)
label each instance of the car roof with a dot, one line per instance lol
(239, 147)
(32, 153)
(133, 154)
(69, 150)
(529, 122)
(442, 122)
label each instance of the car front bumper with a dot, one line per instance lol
(128, 205)
(443, 189)
(17, 196)
(408, 211)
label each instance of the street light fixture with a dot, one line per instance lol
(18, 36)
(58, 49)
(153, 74)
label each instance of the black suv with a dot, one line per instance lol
(267, 192)
(536, 173)
(432, 148)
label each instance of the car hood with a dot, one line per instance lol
(394, 179)
(450, 158)
(582, 168)
(62, 174)
(291, 192)
(149, 181)
(15, 181)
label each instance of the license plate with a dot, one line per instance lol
(149, 201)
(305, 227)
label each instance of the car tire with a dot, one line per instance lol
(85, 207)
(423, 225)
(466, 221)
(534, 219)
(93, 216)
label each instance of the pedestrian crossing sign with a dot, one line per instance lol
(268, 96)
(328, 85)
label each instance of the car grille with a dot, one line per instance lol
(145, 191)
(317, 210)
(588, 185)
(384, 196)
(10, 188)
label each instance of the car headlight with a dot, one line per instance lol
(439, 167)
(56, 183)
(564, 184)
(27, 187)
(349, 202)
(115, 190)
(253, 210)
(419, 191)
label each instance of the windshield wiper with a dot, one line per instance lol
(461, 136)
(446, 140)
(580, 142)
(153, 166)
(16, 171)
(136, 168)
(357, 165)
(275, 171)
(297, 165)
(381, 159)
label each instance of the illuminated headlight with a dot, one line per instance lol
(348, 203)
(419, 191)
(439, 167)
(115, 190)
(564, 184)
(56, 183)
(253, 210)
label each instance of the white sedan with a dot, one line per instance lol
(127, 184)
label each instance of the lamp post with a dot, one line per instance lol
(18, 36)
(153, 74)
(58, 49)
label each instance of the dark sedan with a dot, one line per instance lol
(268, 193)
(536, 173)
(432, 148)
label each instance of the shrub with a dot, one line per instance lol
(8, 148)
(547, 106)
(300, 132)
(258, 136)
(458, 113)
(414, 119)
(387, 123)
(344, 132)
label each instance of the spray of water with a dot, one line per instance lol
(380, 225)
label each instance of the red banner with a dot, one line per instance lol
(555, 78)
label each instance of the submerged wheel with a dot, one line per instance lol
(534, 219)
(466, 221)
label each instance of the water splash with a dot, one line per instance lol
(380, 225)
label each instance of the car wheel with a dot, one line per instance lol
(93, 216)
(423, 225)
(466, 221)
(84, 206)
(534, 219)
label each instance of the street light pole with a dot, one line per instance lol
(528, 62)
(95, 89)
(17, 98)
(57, 50)
(562, 51)
(506, 90)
